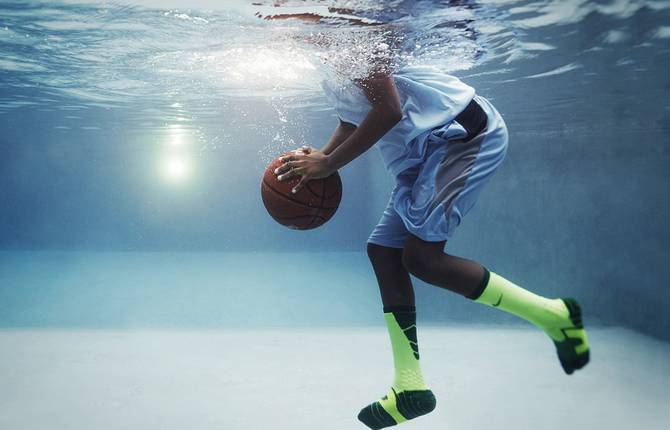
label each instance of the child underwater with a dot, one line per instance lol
(442, 143)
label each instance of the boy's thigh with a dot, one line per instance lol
(433, 201)
(430, 200)
(458, 194)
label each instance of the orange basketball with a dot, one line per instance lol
(309, 208)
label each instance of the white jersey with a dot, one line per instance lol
(429, 99)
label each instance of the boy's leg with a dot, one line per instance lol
(408, 397)
(395, 285)
(559, 318)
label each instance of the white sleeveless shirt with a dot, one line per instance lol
(430, 99)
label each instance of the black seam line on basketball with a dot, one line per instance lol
(294, 200)
(288, 197)
(323, 196)
(323, 188)
(311, 190)
(337, 189)
(286, 218)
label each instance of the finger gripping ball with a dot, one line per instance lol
(309, 208)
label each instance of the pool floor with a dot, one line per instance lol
(484, 376)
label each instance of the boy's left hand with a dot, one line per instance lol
(308, 163)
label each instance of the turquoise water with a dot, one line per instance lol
(143, 285)
(132, 130)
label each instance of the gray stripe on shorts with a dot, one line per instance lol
(454, 170)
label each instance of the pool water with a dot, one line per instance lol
(134, 135)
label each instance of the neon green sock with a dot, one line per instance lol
(408, 397)
(560, 318)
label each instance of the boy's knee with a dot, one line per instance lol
(378, 253)
(415, 263)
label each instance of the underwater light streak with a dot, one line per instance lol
(175, 165)
(175, 168)
(178, 136)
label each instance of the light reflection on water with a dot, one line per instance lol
(102, 55)
(163, 64)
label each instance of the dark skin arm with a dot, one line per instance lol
(385, 113)
(341, 133)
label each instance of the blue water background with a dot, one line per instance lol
(131, 152)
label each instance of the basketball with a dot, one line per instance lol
(309, 208)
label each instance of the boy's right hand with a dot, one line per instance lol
(306, 149)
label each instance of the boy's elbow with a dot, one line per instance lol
(392, 115)
(395, 115)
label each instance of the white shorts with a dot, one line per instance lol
(430, 198)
